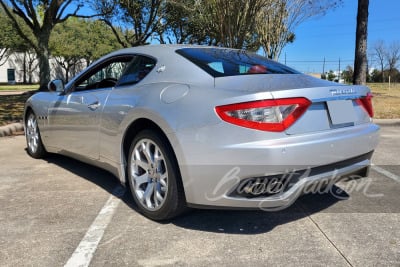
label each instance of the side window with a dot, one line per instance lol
(137, 70)
(104, 75)
(112, 71)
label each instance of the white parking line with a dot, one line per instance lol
(84, 252)
(386, 173)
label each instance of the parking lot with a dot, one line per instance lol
(58, 211)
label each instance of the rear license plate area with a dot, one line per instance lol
(341, 112)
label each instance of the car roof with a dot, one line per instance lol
(179, 67)
(156, 50)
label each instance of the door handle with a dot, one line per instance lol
(94, 105)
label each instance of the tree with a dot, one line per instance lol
(280, 18)
(393, 56)
(5, 41)
(100, 40)
(331, 76)
(360, 62)
(376, 76)
(379, 53)
(214, 22)
(241, 24)
(40, 16)
(184, 22)
(27, 59)
(10, 41)
(272, 31)
(233, 23)
(348, 74)
(29, 64)
(77, 41)
(68, 45)
(133, 22)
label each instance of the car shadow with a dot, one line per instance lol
(97, 176)
(249, 222)
(243, 222)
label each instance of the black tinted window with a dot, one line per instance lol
(137, 70)
(220, 62)
(103, 75)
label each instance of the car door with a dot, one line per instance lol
(74, 118)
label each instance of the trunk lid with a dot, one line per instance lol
(333, 105)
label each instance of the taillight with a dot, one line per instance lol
(366, 103)
(267, 115)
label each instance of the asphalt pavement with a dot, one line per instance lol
(59, 211)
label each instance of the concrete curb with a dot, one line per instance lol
(11, 129)
(387, 122)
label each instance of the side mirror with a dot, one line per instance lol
(56, 86)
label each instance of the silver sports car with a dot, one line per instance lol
(195, 126)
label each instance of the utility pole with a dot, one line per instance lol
(339, 72)
(323, 67)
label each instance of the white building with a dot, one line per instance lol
(24, 68)
(19, 68)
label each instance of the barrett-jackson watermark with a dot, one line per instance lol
(263, 188)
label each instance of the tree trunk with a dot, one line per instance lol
(67, 69)
(360, 62)
(30, 71)
(24, 67)
(43, 57)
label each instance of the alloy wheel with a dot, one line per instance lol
(149, 174)
(32, 133)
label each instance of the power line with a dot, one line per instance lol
(370, 31)
(338, 25)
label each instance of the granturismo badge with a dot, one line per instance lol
(345, 91)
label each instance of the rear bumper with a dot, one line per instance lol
(315, 183)
(220, 170)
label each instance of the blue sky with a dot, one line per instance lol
(333, 35)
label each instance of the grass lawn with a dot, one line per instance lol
(386, 102)
(12, 108)
(18, 87)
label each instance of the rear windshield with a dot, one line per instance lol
(221, 62)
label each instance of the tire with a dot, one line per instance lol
(33, 140)
(154, 177)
